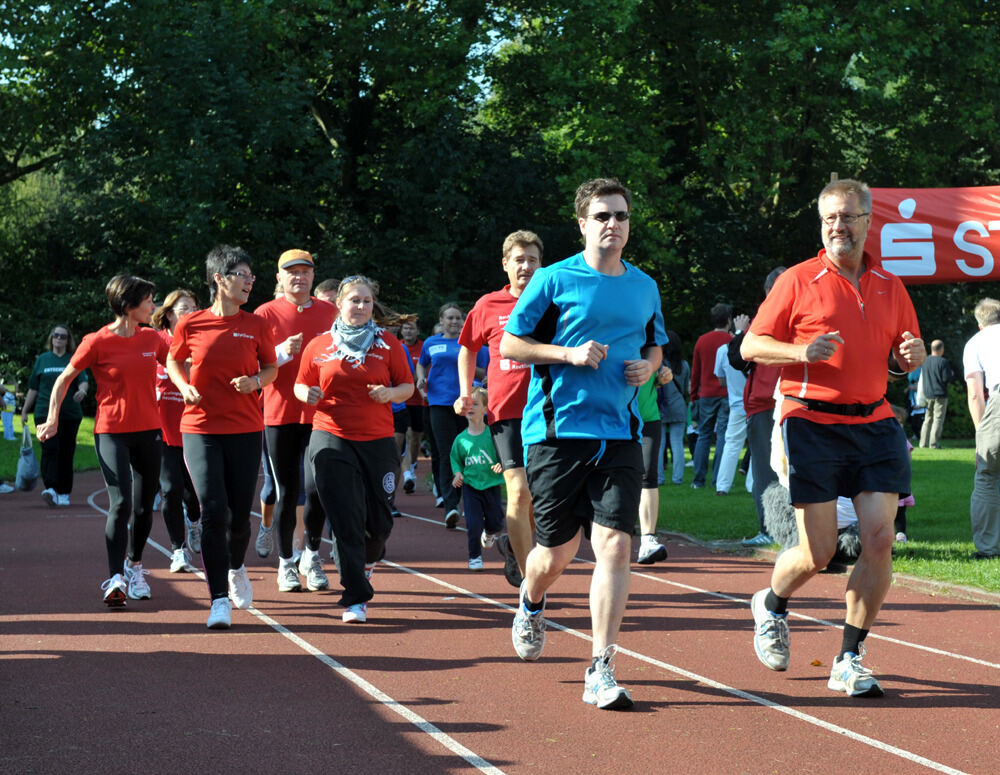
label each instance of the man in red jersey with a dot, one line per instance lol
(508, 391)
(829, 322)
(709, 398)
(296, 318)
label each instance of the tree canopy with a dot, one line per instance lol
(405, 138)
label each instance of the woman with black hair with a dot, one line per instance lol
(57, 452)
(231, 354)
(122, 357)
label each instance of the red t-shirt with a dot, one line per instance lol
(221, 349)
(346, 410)
(507, 379)
(125, 369)
(704, 383)
(758, 392)
(281, 407)
(416, 399)
(813, 298)
(169, 400)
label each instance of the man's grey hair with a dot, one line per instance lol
(987, 312)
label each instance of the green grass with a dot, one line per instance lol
(938, 525)
(85, 458)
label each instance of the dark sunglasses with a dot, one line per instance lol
(604, 216)
(60, 336)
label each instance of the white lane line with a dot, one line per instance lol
(442, 738)
(805, 717)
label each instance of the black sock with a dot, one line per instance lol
(775, 604)
(853, 637)
(532, 606)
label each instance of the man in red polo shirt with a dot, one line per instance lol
(829, 323)
(508, 392)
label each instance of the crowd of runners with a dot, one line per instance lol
(546, 390)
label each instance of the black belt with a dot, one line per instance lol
(849, 410)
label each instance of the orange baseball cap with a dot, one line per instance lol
(295, 257)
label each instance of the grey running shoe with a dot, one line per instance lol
(138, 588)
(770, 635)
(240, 588)
(265, 541)
(650, 551)
(193, 535)
(600, 687)
(528, 632)
(288, 576)
(851, 677)
(220, 615)
(311, 566)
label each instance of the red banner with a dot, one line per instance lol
(937, 235)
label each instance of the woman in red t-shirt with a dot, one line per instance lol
(352, 375)
(181, 512)
(122, 357)
(232, 357)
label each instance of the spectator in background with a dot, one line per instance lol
(758, 402)
(673, 406)
(736, 426)
(937, 374)
(709, 400)
(981, 361)
(917, 412)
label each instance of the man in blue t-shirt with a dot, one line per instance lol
(592, 329)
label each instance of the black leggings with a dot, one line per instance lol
(57, 455)
(178, 492)
(356, 480)
(445, 426)
(130, 463)
(223, 468)
(286, 448)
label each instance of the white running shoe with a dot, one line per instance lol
(240, 588)
(487, 540)
(115, 591)
(265, 541)
(220, 616)
(180, 562)
(851, 677)
(451, 520)
(62, 499)
(770, 635)
(138, 588)
(901, 538)
(528, 630)
(355, 613)
(193, 535)
(288, 576)
(476, 563)
(311, 566)
(600, 687)
(651, 550)
(49, 496)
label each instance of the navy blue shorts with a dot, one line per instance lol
(825, 461)
(507, 439)
(574, 482)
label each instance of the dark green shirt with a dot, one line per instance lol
(47, 367)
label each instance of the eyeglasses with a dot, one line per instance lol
(848, 218)
(60, 336)
(243, 276)
(604, 216)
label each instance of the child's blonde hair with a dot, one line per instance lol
(481, 394)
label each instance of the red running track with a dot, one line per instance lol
(431, 683)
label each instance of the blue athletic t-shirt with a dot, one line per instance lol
(441, 355)
(568, 304)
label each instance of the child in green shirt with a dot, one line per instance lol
(478, 472)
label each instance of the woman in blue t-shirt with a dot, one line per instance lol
(437, 380)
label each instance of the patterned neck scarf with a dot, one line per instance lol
(354, 342)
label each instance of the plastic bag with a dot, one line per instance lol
(27, 465)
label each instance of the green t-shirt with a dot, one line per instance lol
(648, 409)
(47, 367)
(473, 457)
